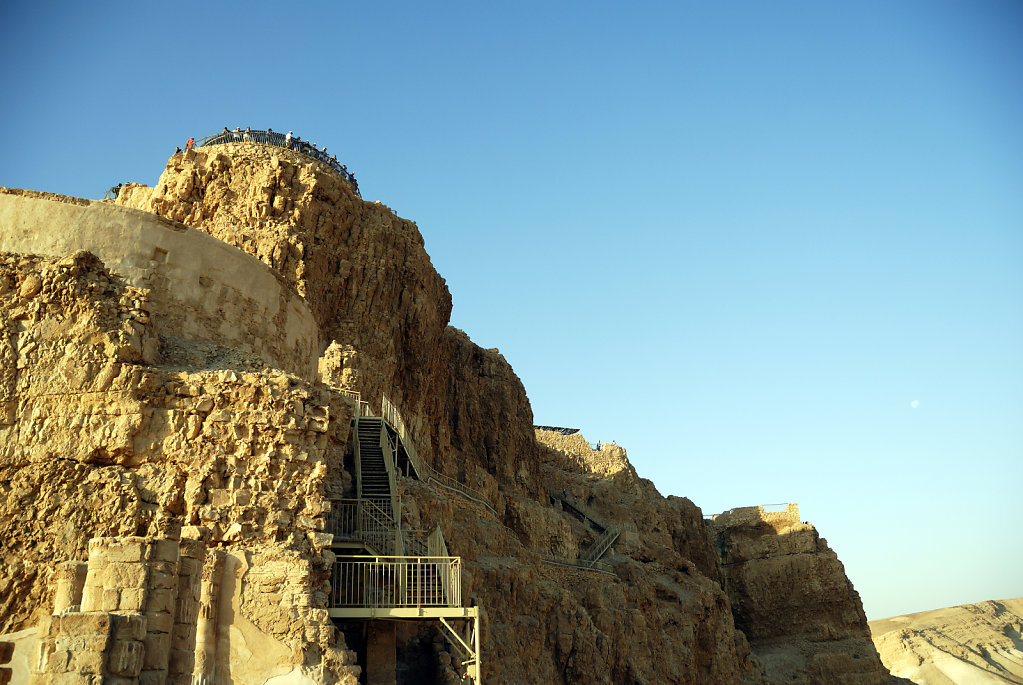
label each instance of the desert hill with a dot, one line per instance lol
(234, 421)
(961, 645)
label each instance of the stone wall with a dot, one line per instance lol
(749, 516)
(200, 289)
(96, 440)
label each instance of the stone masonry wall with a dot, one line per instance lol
(103, 433)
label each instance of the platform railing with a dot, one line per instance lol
(388, 581)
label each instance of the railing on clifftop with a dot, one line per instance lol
(281, 140)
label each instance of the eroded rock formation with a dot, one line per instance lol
(792, 599)
(971, 643)
(146, 402)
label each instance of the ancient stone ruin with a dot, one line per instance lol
(240, 443)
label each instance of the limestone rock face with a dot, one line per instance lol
(972, 643)
(103, 434)
(127, 421)
(372, 287)
(792, 599)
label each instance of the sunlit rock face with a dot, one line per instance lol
(175, 427)
(792, 599)
(972, 643)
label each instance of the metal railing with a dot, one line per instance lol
(386, 581)
(361, 520)
(601, 545)
(392, 416)
(595, 566)
(361, 406)
(280, 140)
(568, 499)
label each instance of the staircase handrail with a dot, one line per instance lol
(392, 416)
(595, 566)
(361, 407)
(601, 545)
(583, 509)
(389, 456)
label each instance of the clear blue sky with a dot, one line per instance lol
(739, 238)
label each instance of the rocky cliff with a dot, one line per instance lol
(140, 403)
(971, 643)
(792, 599)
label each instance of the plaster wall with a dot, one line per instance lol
(202, 289)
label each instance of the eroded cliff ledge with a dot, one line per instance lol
(151, 402)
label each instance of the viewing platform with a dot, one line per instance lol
(281, 140)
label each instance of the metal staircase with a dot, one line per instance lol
(381, 571)
(608, 533)
(375, 466)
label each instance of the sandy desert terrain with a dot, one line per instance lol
(975, 644)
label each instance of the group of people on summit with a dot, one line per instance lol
(289, 141)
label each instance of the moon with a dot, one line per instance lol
(914, 404)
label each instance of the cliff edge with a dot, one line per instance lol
(182, 371)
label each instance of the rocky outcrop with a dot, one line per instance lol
(129, 411)
(970, 643)
(792, 599)
(370, 283)
(104, 434)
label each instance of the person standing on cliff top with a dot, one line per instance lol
(287, 140)
(189, 143)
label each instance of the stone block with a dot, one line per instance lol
(75, 679)
(126, 658)
(165, 550)
(125, 575)
(183, 636)
(80, 623)
(92, 598)
(86, 661)
(98, 548)
(130, 627)
(181, 661)
(161, 599)
(55, 661)
(187, 611)
(82, 643)
(111, 600)
(190, 548)
(159, 578)
(44, 627)
(154, 677)
(159, 622)
(125, 550)
(133, 599)
(157, 651)
(189, 567)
